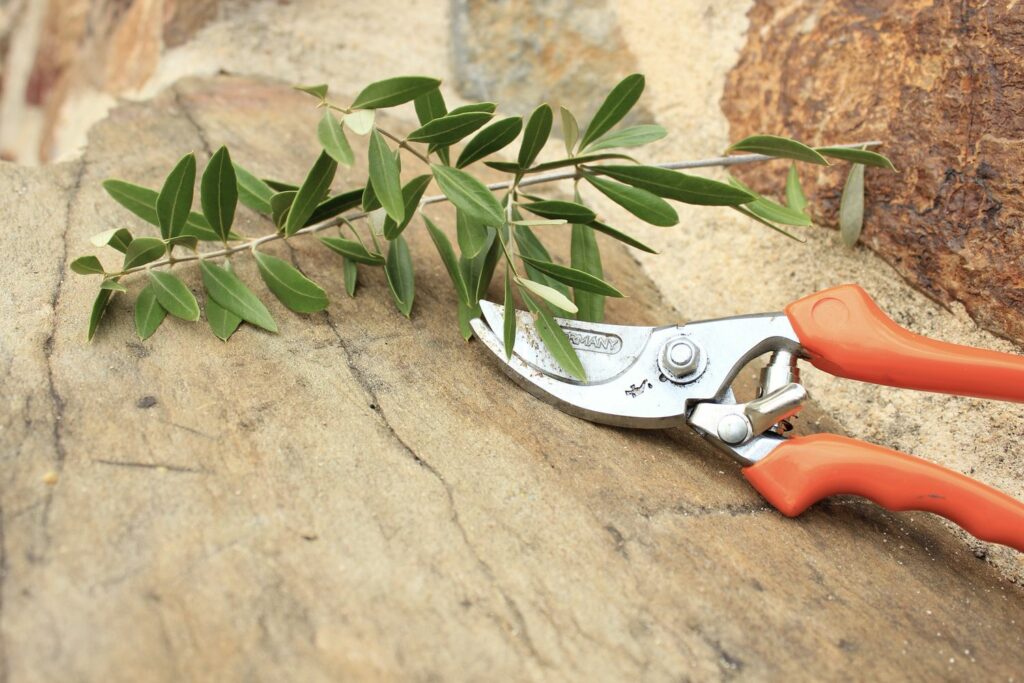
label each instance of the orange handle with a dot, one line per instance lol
(848, 335)
(807, 469)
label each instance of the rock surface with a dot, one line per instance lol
(363, 496)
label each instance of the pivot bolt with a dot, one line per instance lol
(733, 429)
(680, 357)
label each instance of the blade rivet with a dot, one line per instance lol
(680, 357)
(733, 429)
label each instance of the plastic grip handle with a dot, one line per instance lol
(848, 335)
(807, 469)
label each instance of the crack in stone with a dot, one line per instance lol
(186, 111)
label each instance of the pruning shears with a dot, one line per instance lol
(660, 377)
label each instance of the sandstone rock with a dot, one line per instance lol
(363, 496)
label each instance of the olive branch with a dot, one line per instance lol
(488, 229)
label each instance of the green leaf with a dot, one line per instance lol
(618, 103)
(473, 236)
(353, 250)
(218, 193)
(858, 156)
(510, 167)
(541, 221)
(634, 136)
(175, 199)
(148, 313)
(398, 271)
(771, 210)
(771, 225)
(794, 193)
(142, 202)
(279, 186)
(449, 259)
(369, 199)
(252, 191)
(476, 108)
(779, 147)
(491, 139)
(99, 307)
(466, 314)
(394, 91)
(574, 278)
(312, 191)
(851, 206)
(478, 271)
(291, 287)
(230, 292)
(174, 295)
(429, 106)
(533, 248)
(223, 322)
(317, 91)
(332, 139)
(87, 265)
(645, 205)
(114, 284)
(585, 256)
(449, 129)
(412, 193)
(384, 175)
(554, 208)
(555, 341)
(469, 194)
(118, 238)
(622, 237)
(143, 250)
(681, 187)
(360, 122)
(351, 273)
(538, 129)
(332, 206)
(281, 205)
(570, 130)
(549, 294)
(510, 316)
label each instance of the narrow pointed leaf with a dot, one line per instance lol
(230, 292)
(384, 175)
(312, 191)
(99, 307)
(645, 205)
(469, 194)
(449, 259)
(622, 237)
(509, 316)
(743, 210)
(794, 192)
(473, 236)
(280, 186)
(332, 206)
(618, 103)
(398, 271)
(772, 210)
(549, 294)
(779, 147)
(332, 139)
(394, 91)
(252, 191)
(174, 295)
(466, 314)
(634, 136)
(538, 129)
(351, 273)
(851, 206)
(585, 256)
(118, 238)
(429, 106)
(555, 208)
(476, 107)
(554, 339)
(218, 193)
(510, 167)
(681, 187)
(491, 139)
(573, 277)
(143, 250)
(570, 130)
(114, 284)
(412, 193)
(369, 199)
(290, 286)
(175, 199)
(352, 250)
(148, 313)
(87, 265)
(360, 122)
(478, 271)
(223, 322)
(530, 246)
(281, 205)
(858, 156)
(317, 91)
(449, 129)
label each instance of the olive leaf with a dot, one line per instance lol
(318, 91)
(645, 205)
(351, 275)
(142, 202)
(621, 237)
(399, 274)
(218, 193)
(570, 130)
(279, 186)
(118, 238)
(87, 265)
(292, 288)
(143, 250)
(795, 198)
(393, 91)
(681, 187)
(857, 155)
(533, 248)
(572, 277)
(429, 106)
(384, 175)
(851, 206)
(555, 208)
(174, 202)
(476, 107)
(412, 193)
(253, 192)
(332, 138)
(510, 167)
(449, 259)
(585, 257)
(779, 147)
(174, 295)
(114, 284)
(538, 129)
(360, 122)
(615, 106)
(449, 129)
(771, 210)
(99, 307)
(312, 191)
(554, 339)
(224, 287)
(549, 294)
(489, 140)
(509, 316)
(148, 313)
(352, 250)
(469, 194)
(332, 206)
(743, 210)
(634, 136)
(473, 236)
(280, 206)
(223, 322)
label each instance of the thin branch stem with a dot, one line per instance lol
(405, 145)
(435, 199)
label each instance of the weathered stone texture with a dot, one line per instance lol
(942, 84)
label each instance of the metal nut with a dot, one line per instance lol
(680, 357)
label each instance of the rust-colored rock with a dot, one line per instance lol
(941, 84)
